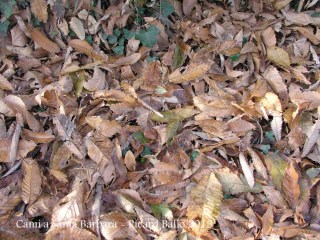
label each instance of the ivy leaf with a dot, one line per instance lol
(128, 34)
(148, 37)
(6, 7)
(166, 8)
(118, 50)
(4, 28)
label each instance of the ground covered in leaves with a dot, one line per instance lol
(168, 119)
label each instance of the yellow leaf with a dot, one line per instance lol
(31, 184)
(174, 115)
(194, 71)
(276, 167)
(279, 4)
(39, 9)
(278, 56)
(205, 204)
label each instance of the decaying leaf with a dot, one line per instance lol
(31, 184)
(42, 40)
(77, 27)
(278, 56)
(276, 167)
(39, 9)
(194, 71)
(105, 127)
(205, 204)
(247, 170)
(291, 185)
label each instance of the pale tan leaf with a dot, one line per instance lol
(70, 233)
(4, 83)
(312, 139)
(275, 197)
(96, 154)
(42, 40)
(97, 82)
(272, 103)
(247, 170)
(24, 147)
(39, 9)
(187, 6)
(31, 183)
(194, 71)
(77, 27)
(278, 56)
(276, 82)
(18, 38)
(106, 127)
(60, 176)
(258, 164)
(170, 235)
(38, 137)
(205, 204)
(267, 221)
(279, 4)
(276, 125)
(291, 186)
(130, 161)
(129, 60)
(269, 37)
(298, 71)
(122, 228)
(232, 184)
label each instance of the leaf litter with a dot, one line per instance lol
(159, 119)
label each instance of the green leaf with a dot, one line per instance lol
(140, 137)
(151, 59)
(235, 57)
(146, 151)
(6, 7)
(128, 34)
(112, 39)
(148, 37)
(118, 50)
(89, 39)
(4, 28)
(178, 58)
(166, 8)
(194, 155)
(161, 210)
(160, 90)
(270, 136)
(121, 41)
(265, 148)
(116, 32)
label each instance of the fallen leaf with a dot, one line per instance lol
(205, 204)
(105, 127)
(278, 56)
(291, 185)
(77, 27)
(194, 71)
(39, 9)
(247, 170)
(31, 184)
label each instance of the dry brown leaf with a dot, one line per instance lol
(42, 40)
(194, 71)
(269, 37)
(4, 83)
(267, 221)
(312, 139)
(97, 82)
(96, 154)
(274, 196)
(77, 27)
(84, 47)
(130, 161)
(276, 82)
(39, 9)
(205, 204)
(129, 60)
(38, 137)
(291, 186)
(106, 127)
(31, 183)
(278, 56)
(18, 38)
(279, 4)
(258, 164)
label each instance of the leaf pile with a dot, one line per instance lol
(159, 119)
